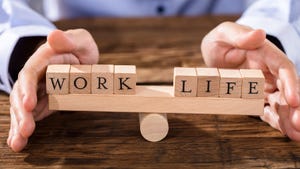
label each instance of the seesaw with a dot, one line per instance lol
(109, 88)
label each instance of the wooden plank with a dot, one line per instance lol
(156, 99)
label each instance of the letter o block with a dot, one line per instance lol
(80, 79)
(230, 83)
(57, 79)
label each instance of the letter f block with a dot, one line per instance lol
(125, 79)
(230, 83)
(57, 79)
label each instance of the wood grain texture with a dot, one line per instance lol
(113, 140)
(156, 99)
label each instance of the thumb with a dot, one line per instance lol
(79, 42)
(240, 36)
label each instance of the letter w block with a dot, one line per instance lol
(57, 79)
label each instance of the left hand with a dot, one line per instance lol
(231, 45)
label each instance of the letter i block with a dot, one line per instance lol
(102, 79)
(253, 83)
(125, 79)
(185, 82)
(80, 79)
(57, 79)
(230, 83)
(208, 82)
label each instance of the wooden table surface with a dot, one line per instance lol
(112, 140)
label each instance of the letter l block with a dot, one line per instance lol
(185, 82)
(57, 79)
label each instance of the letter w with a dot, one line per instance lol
(57, 83)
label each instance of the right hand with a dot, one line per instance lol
(28, 99)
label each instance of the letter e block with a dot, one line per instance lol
(80, 79)
(253, 83)
(102, 79)
(125, 79)
(208, 82)
(57, 79)
(185, 82)
(230, 83)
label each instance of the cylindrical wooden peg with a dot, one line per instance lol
(154, 127)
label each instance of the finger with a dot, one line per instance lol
(77, 41)
(18, 142)
(284, 70)
(12, 125)
(240, 36)
(272, 118)
(24, 119)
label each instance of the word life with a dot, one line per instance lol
(213, 82)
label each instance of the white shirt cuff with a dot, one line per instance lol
(285, 33)
(8, 40)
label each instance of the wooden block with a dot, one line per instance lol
(156, 99)
(230, 83)
(57, 79)
(80, 79)
(154, 127)
(125, 79)
(102, 79)
(208, 82)
(253, 83)
(185, 82)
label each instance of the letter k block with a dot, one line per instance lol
(57, 79)
(125, 79)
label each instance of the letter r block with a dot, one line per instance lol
(57, 79)
(125, 79)
(253, 83)
(102, 79)
(185, 82)
(230, 83)
(80, 79)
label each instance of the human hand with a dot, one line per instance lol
(231, 45)
(28, 99)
